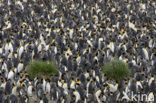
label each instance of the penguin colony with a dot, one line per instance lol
(81, 35)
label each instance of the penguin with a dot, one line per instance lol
(20, 51)
(111, 46)
(7, 99)
(4, 67)
(1, 94)
(45, 99)
(151, 97)
(77, 95)
(13, 98)
(132, 85)
(15, 59)
(146, 54)
(14, 90)
(8, 87)
(22, 99)
(44, 84)
(59, 83)
(41, 100)
(20, 67)
(97, 94)
(65, 87)
(10, 56)
(1, 50)
(11, 75)
(39, 47)
(82, 78)
(90, 87)
(48, 87)
(86, 74)
(39, 91)
(150, 80)
(78, 59)
(10, 47)
(112, 88)
(72, 85)
(30, 91)
(152, 86)
(132, 25)
(139, 85)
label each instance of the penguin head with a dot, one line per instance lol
(88, 79)
(21, 61)
(8, 80)
(14, 86)
(117, 84)
(22, 84)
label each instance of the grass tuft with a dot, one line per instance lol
(116, 69)
(39, 68)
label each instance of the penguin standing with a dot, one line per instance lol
(97, 94)
(146, 53)
(112, 88)
(14, 90)
(11, 75)
(20, 51)
(48, 88)
(20, 67)
(30, 90)
(13, 98)
(8, 87)
(151, 97)
(77, 95)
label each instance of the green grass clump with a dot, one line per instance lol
(116, 69)
(37, 68)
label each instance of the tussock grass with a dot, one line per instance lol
(37, 68)
(116, 69)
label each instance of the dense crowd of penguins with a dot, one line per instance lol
(81, 35)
